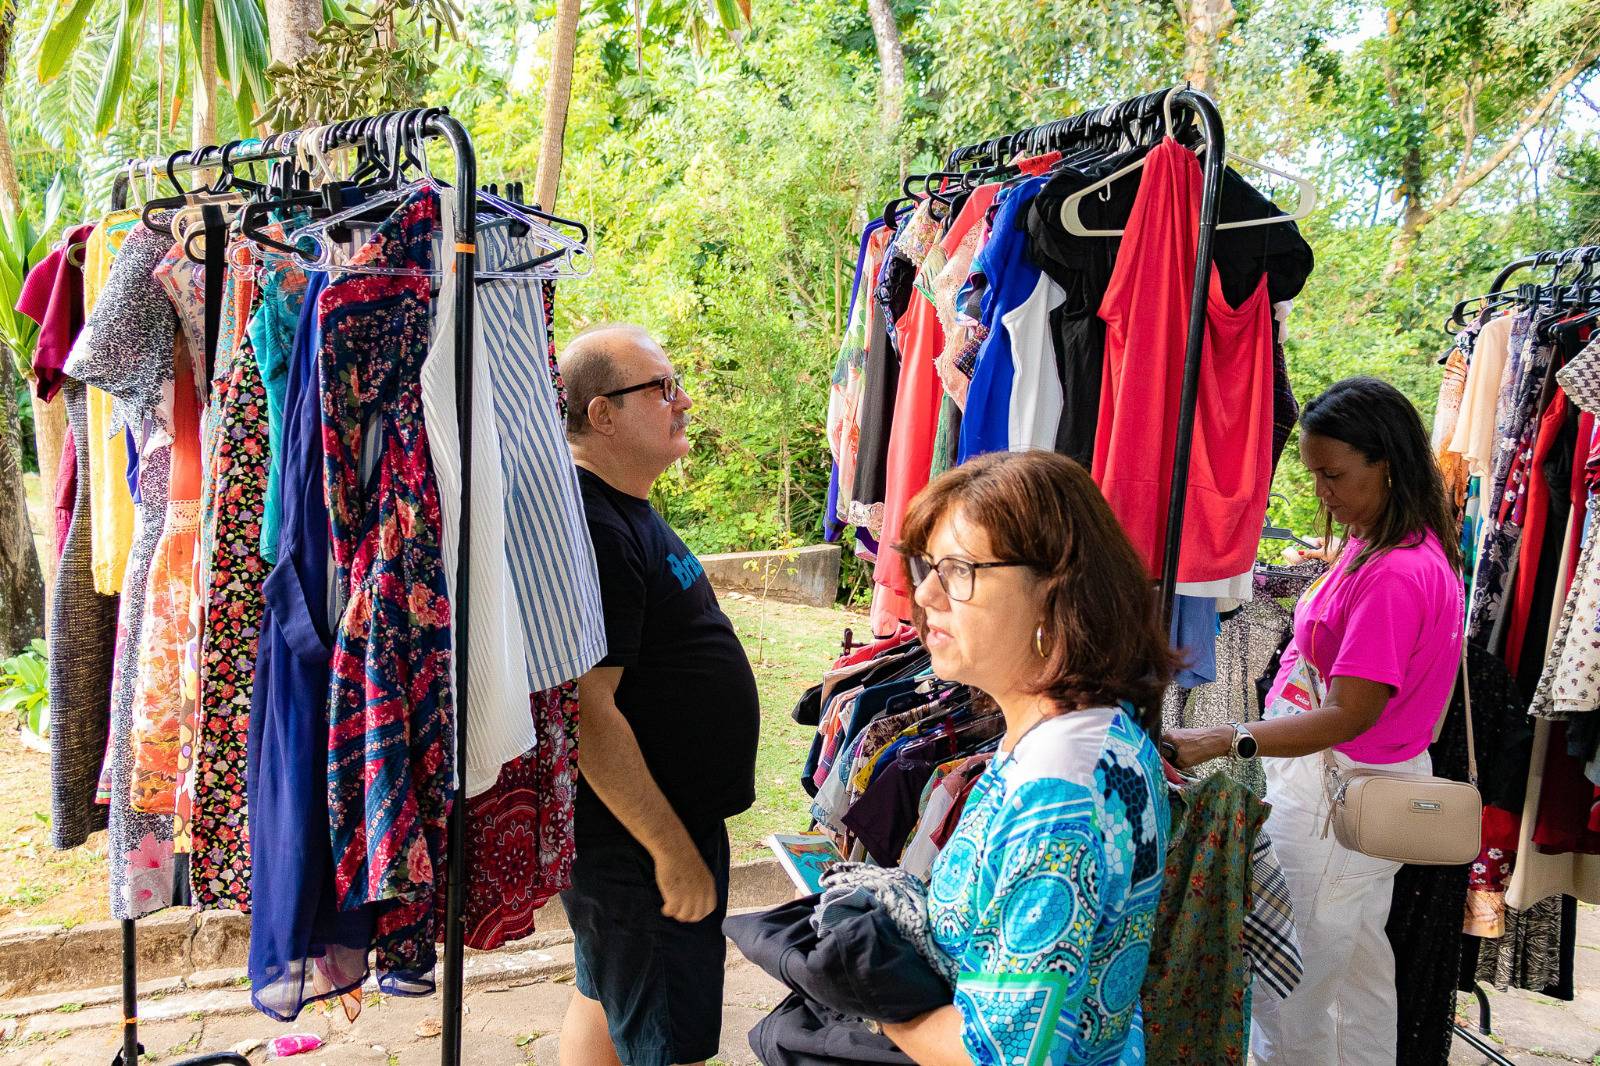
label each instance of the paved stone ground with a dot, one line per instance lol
(515, 1002)
(515, 1020)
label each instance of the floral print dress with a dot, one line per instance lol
(185, 285)
(390, 717)
(231, 508)
(126, 349)
(1570, 683)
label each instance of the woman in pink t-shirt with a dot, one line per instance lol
(1377, 643)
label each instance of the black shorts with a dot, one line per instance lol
(659, 980)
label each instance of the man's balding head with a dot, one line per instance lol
(597, 361)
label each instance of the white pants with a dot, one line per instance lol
(1343, 1012)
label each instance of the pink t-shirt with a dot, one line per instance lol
(1397, 621)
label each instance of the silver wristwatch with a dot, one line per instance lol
(1244, 745)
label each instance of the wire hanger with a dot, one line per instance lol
(1305, 204)
(318, 245)
(1274, 532)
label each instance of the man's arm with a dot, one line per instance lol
(610, 760)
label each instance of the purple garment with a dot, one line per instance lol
(296, 924)
(831, 526)
(885, 816)
(133, 464)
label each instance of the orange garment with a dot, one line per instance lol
(918, 396)
(159, 700)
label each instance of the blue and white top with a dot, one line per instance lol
(1046, 894)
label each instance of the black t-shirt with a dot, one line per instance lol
(687, 689)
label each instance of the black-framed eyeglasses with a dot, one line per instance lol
(956, 575)
(670, 385)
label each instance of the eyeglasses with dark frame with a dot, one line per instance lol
(957, 576)
(670, 385)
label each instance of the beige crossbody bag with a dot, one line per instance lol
(1411, 818)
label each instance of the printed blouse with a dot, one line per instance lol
(1046, 894)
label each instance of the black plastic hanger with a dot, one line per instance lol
(182, 197)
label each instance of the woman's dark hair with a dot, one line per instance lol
(1106, 641)
(1376, 419)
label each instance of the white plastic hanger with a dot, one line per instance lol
(323, 253)
(575, 260)
(1305, 203)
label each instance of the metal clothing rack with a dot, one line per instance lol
(1135, 121)
(1586, 255)
(1476, 1040)
(435, 122)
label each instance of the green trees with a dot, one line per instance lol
(218, 37)
(727, 155)
(1450, 91)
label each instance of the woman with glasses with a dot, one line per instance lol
(1027, 589)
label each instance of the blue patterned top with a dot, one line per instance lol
(1046, 894)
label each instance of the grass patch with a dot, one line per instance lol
(789, 647)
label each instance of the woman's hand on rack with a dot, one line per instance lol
(1186, 748)
(1294, 553)
(1352, 706)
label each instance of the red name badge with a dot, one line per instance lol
(1297, 696)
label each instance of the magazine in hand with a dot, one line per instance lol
(805, 857)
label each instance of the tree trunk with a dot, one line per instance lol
(1421, 213)
(1412, 222)
(1205, 23)
(21, 584)
(10, 188)
(891, 60)
(558, 94)
(1413, 175)
(205, 95)
(291, 28)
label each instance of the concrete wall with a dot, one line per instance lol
(803, 575)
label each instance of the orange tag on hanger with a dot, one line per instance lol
(466, 249)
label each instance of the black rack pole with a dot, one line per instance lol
(466, 272)
(1474, 1040)
(1210, 208)
(129, 1055)
(435, 122)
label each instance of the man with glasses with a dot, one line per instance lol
(669, 722)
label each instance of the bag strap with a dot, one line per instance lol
(1466, 702)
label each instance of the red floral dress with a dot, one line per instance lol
(390, 716)
(236, 436)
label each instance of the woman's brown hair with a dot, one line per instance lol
(1103, 634)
